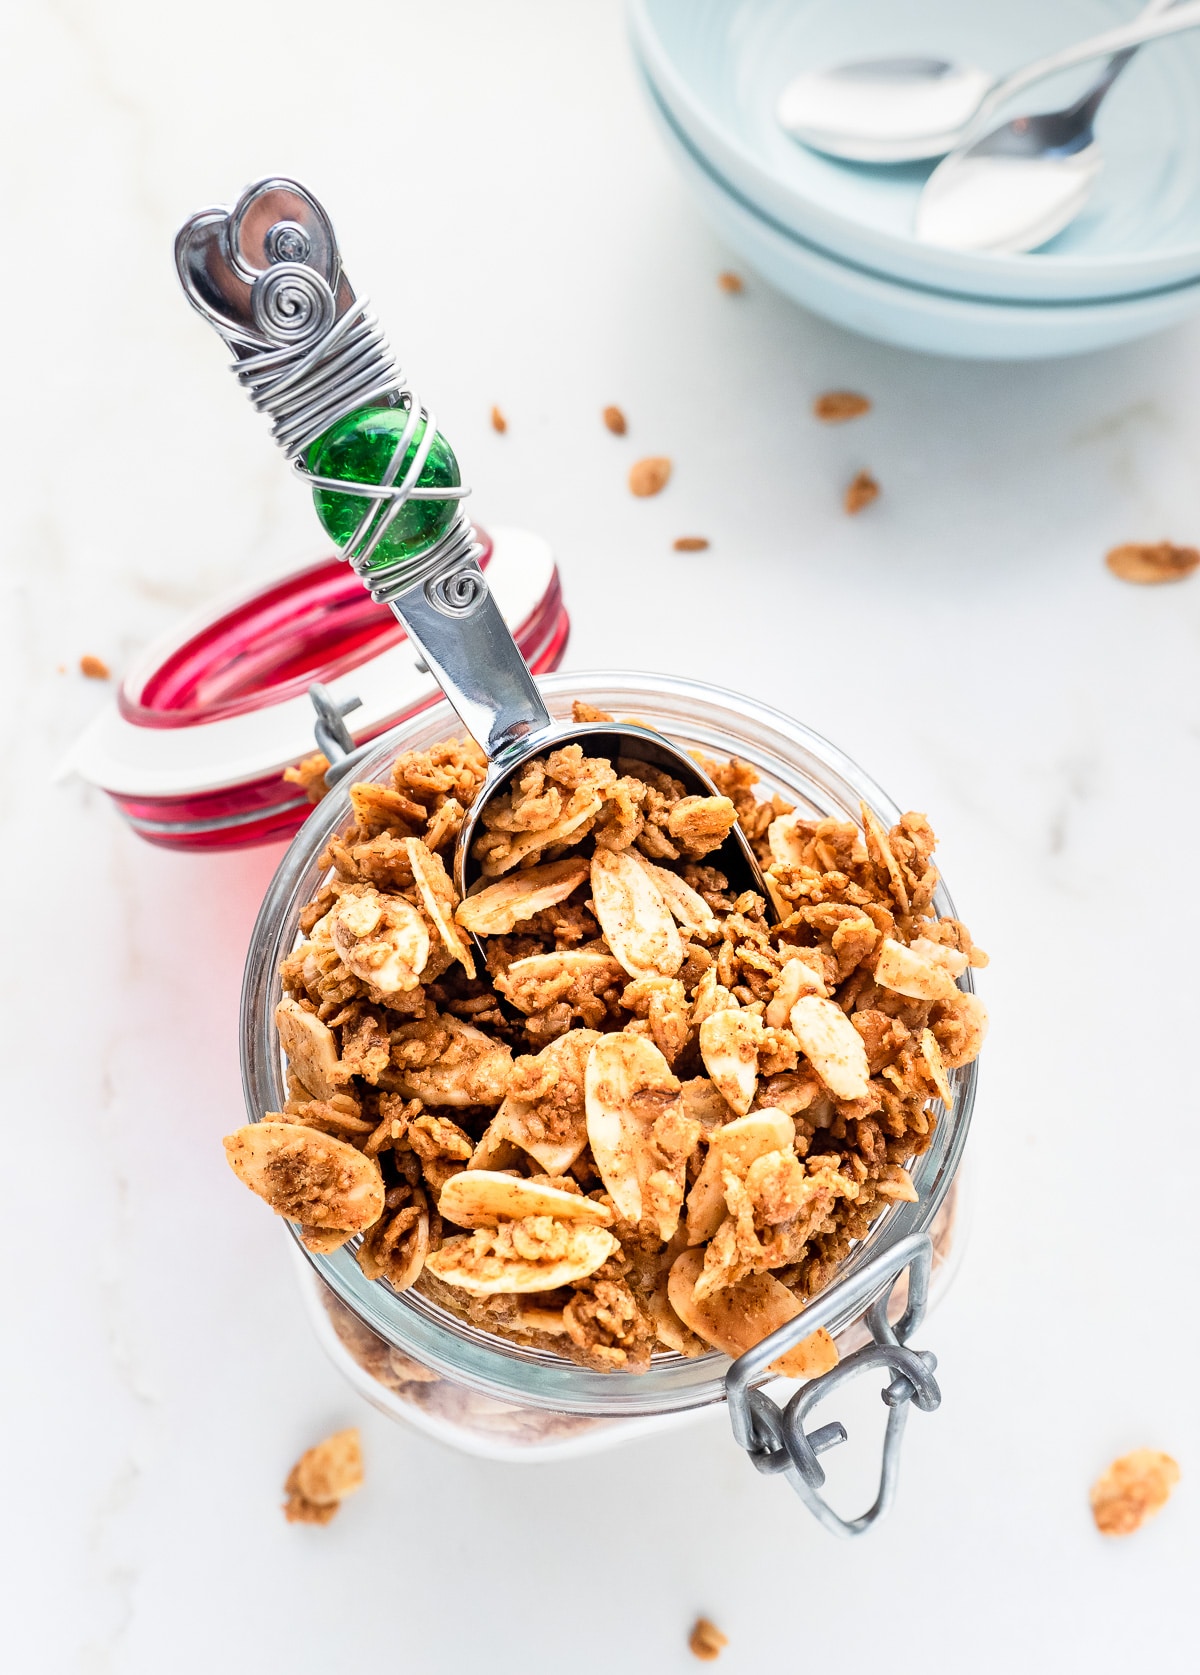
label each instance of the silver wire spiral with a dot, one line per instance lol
(308, 352)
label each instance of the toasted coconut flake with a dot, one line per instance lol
(731, 1150)
(832, 1046)
(636, 921)
(310, 1047)
(736, 1318)
(381, 939)
(483, 1198)
(539, 1253)
(306, 1175)
(950, 959)
(915, 975)
(496, 909)
(439, 899)
(729, 1043)
(622, 1070)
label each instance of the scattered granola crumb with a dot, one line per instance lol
(309, 775)
(1151, 561)
(60, 669)
(861, 492)
(323, 1477)
(93, 667)
(649, 476)
(1133, 1489)
(706, 1640)
(691, 544)
(614, 420)
(499, 422)
(836, 406)
(733, 285)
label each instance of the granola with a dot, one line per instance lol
(1133, 1489)
(606, 1106)
(322, 1478)
(706, 1641)
(1150, 562)
(835, 407)
(649, 476)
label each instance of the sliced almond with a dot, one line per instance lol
(636, 921)
(584, 805)
(687, 905)
(552, 1130)
(907, 972)
(497, 908)
(473, 1071)
(538, 981)
(621, 1070)
(950, 959)
(538, 1254)
(736, 1318)
(796, 978)
(935, 1064)
(897, 1183)
(439, 899)
(733, 1149)
(729, 1043)
(310, 1047)
(495, 1150)
(711, 996)
(880, 852)
(381, 939)
(532, 1317)
(672, 1333)
(832, 1046)
(483, 1198)
(787, 839)
(306, 1175)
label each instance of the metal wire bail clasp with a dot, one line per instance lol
(775, 1438)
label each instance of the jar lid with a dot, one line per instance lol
(193, 746)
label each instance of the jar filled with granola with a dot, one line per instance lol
(544, 1180)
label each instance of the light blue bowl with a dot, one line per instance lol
(719, 65)
(914, 316)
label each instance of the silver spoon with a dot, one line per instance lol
(1017, 186)
(268, 276)
(901, 110)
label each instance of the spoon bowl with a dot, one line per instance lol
(884, 110)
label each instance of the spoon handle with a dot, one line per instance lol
(268, 276)
(1129, 35)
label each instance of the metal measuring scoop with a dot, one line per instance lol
(268, 276)
(906, 109)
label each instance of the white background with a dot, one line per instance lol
(497, 189)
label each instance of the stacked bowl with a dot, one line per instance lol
(837, 236)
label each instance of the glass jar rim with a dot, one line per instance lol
(714, 719)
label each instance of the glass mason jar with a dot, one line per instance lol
(415, 1361)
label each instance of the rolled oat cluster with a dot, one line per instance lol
(603, 1106)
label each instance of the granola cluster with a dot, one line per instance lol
(605, 1106)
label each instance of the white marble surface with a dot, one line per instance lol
(498, 190)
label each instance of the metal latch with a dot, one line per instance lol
(775, 1438)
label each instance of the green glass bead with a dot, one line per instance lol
(359, 449)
